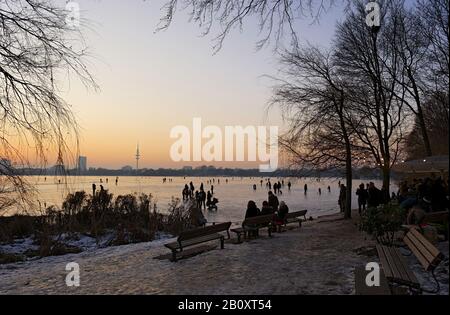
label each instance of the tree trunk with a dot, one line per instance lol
(425, 138)
(386, 181)
(348, 194)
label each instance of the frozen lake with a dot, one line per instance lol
(233, 196)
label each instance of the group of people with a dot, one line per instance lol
(276, 186)
(271, 206)
(430, 194)
(203, 199)
(369, 196)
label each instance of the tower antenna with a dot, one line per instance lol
(138, 157)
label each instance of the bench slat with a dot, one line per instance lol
(400, 264)
(199, 232)
(384, 262)
(390, 264)
(395, 266)
(412, 246)
(202, 239)
(193, 241)
(407, 272)
(434, 252)
(262, 220)
(292, 215)
(173, 245)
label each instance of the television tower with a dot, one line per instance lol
(138, 157)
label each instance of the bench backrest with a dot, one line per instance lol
(217, 228)
(293, 215)
(427, 254)
(436, 217)
(259, 220)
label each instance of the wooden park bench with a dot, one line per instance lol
(433, 217)
(198, 236)
(254, 225)
(294, 217)
(436, 217)
(395, 266)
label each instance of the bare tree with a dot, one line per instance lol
(275, 17)
(366, 58)
(313, 100)
(37, 47)
(404, 33)
(434, 15)
(436, 115)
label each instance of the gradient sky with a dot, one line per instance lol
(152, 82)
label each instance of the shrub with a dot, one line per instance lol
(383, 222)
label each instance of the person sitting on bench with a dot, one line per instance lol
(273, 201)
(266, 209)
(281, 214)
(252, 210)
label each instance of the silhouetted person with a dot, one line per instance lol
(212, 189)
(342, 198)
(186, 193)
(273, 201)
(306, 188)
(252, 210)
(208, 198)
(202, 196)
(329, 189)
(363, 195)
(320, 191)
(374, 196)
(282, 211)
(192, 188)
(197, 199)
(94, 188)
(289, 185)
(266, 209)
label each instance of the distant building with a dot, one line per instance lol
(82, 164)
(127, 168)
(187, 168)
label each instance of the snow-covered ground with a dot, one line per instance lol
(319, 258)
(80, 241)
